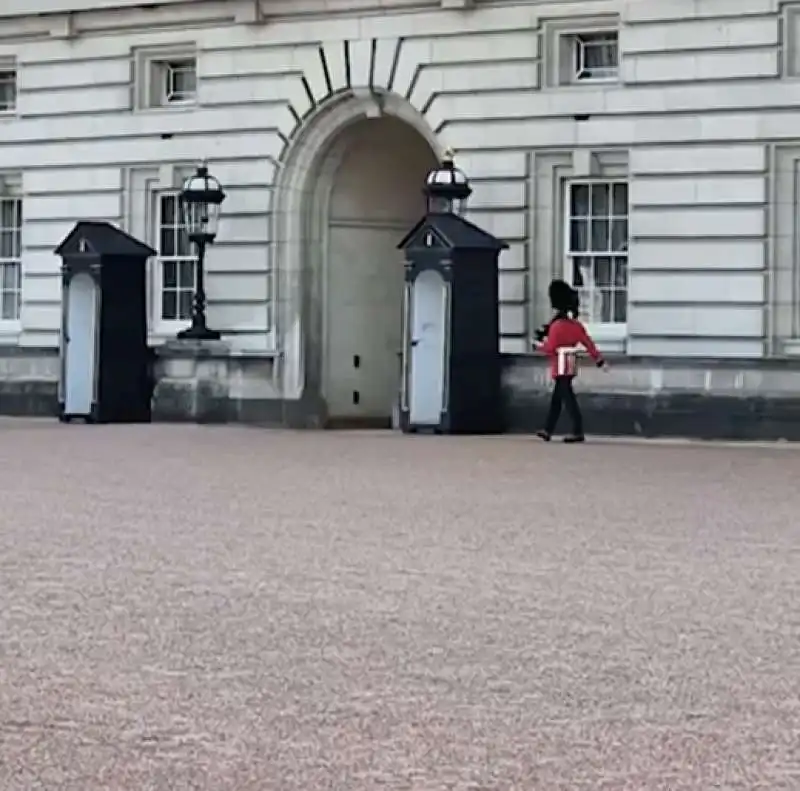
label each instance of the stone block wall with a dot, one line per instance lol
(649, 397)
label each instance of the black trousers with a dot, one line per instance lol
(564, 395)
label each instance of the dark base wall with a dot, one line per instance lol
(704, 399)
(699, 399)
(28, 382)
(28, 399)
(675, 415)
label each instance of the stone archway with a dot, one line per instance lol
(350, 187)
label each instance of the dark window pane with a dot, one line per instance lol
(606, 305)
(10, 305)
(620, 200)
(583, 275)
(619, 235)
(169, 305)
(8, 90)
(621, 272)
(577, 274)
(184, 81)
(184, 247)
(170, 274)
(7, 244)
(600, 235)
(603, 275)
(180, 80)
(579, 200)
(167, 242)
(578, 236)
(168, 216)
(7, 215)
(620, 306)
(186, 276)
(600, 200)
(10, 277)
(185, 304)
(600, 56)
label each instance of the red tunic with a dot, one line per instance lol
(565, 335)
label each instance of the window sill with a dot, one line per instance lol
(586, 85)
(594, 80)
(10, 332)
(791, 348)
(609, 338)
(174, 107)
(164, 331)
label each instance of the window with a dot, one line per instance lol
(589, 57)
(8, 88)
(596, 56)
(165, 77)
(176, 261)
(597, 248)
(10, 257)
(177, 80)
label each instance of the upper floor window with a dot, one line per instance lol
(577, 57)
(595, 56)
(177, 80)
(175, 277)
(165, 78)
(10, 257)
(8, 87)
(596, 261)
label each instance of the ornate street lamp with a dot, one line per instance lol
(447, 188)
(201, 201)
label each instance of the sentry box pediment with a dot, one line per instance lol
(102, 239)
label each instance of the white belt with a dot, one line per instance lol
(562, 354)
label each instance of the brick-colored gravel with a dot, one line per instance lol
(233, 609)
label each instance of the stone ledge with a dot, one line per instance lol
(779, 378)
(764, 363)
(190, 349)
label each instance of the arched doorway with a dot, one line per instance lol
(349, 186)
(372, 199)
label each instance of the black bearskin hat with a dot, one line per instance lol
(563, 297)
(565, 301)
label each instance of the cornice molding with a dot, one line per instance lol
(248, 11)
(18, 8)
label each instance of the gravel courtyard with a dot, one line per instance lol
(192, 608)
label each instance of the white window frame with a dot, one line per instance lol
(164, 77)
(570, 53)
(603, 332)
(8, 76)
(154, 78)
(12, 325)
(166, 327)
(595, 38)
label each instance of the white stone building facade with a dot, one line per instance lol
(646, 150)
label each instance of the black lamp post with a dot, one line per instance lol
(201, 201)
(447, 188)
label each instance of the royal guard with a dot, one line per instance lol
(561, 340)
